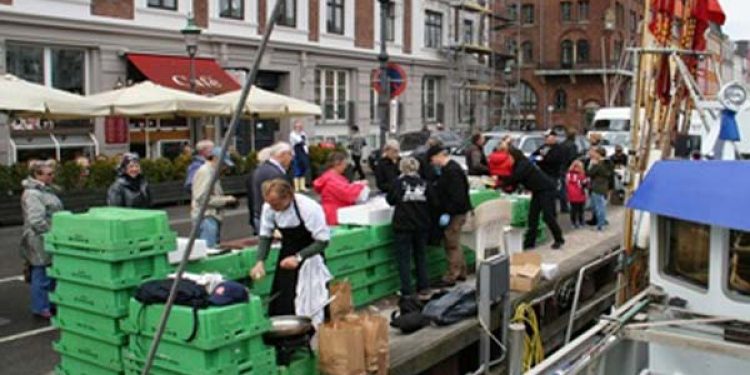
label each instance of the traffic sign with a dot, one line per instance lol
(396, 78)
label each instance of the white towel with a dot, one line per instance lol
(312, 292)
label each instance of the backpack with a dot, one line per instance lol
(409, 322)
(453, 307)
(188, 293)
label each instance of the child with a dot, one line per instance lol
(500, 162)
(575, 183)
(600, 174)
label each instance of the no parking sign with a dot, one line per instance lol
(396, 78)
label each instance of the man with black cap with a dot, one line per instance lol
(453, 192)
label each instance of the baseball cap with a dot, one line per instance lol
(216, 152)
(228, 293)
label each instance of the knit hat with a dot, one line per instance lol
(128, 158)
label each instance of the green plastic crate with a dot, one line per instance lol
(380, 234)
(345, 240)
(110, 275)
(217, 326)
(111, 229)
(301, 364)
(371, 293)
(89, 324)
(185, 359)
(70, 365)
(89, 349)
(477, 197)
(231, 265)
(111, 303)
(250, 256)
(364, 276)
(263, 286)
(110, 256)
(343, 264)
(261, 366)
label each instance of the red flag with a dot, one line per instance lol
(662, 13)
(706, 12)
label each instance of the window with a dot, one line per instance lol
(527, 14)
(566, 54)
(528, 98)
(332, 93)
(513, 12)
(620, 14)
(61, 68)
(566, 11)
(583, 10)
(739, 262)
(335, 16)
(511, 46)
(687, 250)
(390, 23)
(468, 32)
(617, 50)
(430, 88)
(232, 9)
(527, 52)
(582, 51)
(163, 4)
(288, 13)
(561, 100)
(433, 29)
(466, 105)
(633, 21)
(373, 105)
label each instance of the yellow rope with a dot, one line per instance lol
(533, 353)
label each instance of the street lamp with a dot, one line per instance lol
(550, 109)
(192, 33)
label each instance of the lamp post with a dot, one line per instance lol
(384, 96)
(192, 33)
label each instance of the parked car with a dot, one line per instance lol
(414, 142)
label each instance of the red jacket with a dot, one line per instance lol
(575, 182)
(335, 192)
(500, 164)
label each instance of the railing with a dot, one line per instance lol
(589, 65)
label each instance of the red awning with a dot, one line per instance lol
(174, 71)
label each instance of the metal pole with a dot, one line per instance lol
(515, 349)
(191, 78)
(384, 95)
(214, 178)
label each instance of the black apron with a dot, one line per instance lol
(285, 281)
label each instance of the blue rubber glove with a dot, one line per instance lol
(445, 219)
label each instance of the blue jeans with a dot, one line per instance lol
(41, 285)
(210, 230)
(599, 205)
(408, 245)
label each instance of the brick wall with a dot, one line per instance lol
(364, 23)
(6, 2)
(200, 12)
(407, 26)
(262, 16)
(314, 21)
(107, 8)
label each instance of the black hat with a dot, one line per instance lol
(434, 150)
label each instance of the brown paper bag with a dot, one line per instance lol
(341, 349)
(375, 335)
(342, 305)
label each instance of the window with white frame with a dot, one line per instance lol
(430, 90)
(234, 9)
(335, 16)
(332, 93)
(390, 22)
(59, 67)
(163, 4)
(466, 105)
(288, 13)
(433, 29)
(468, 32)
(685, 246)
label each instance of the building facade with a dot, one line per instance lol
(570, 59)
(323, 51)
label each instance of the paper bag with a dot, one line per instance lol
(375, 335)
(342, 304)
(341, 349)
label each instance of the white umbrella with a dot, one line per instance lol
(147, 99)
(266, 104)
(20, 96)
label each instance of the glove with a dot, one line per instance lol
(445, 219)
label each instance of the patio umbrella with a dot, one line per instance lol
(147, 99)
(267, 104)
(22, 97)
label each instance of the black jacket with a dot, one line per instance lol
(453, 190)
(410, 195)
(386, 172)
(265, 172)
(476, 161)
(530, 176)
(570, 150)
(129, 192)
(551, 160)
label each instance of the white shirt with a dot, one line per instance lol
(295, 138)
(310, 211)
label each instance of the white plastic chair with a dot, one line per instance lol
(484, 229)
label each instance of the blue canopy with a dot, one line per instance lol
(707, 192)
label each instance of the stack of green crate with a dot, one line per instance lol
(99, 258)
(228, 340)
(302, 364)
(520, 214)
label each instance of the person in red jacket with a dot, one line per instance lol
(500, 162)
(575, 185)
(335, 190)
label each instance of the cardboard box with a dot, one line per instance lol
(525, 271)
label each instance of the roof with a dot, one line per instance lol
(707, 192)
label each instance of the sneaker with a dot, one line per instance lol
(46, 314)
(557, 245)
(424, 295)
